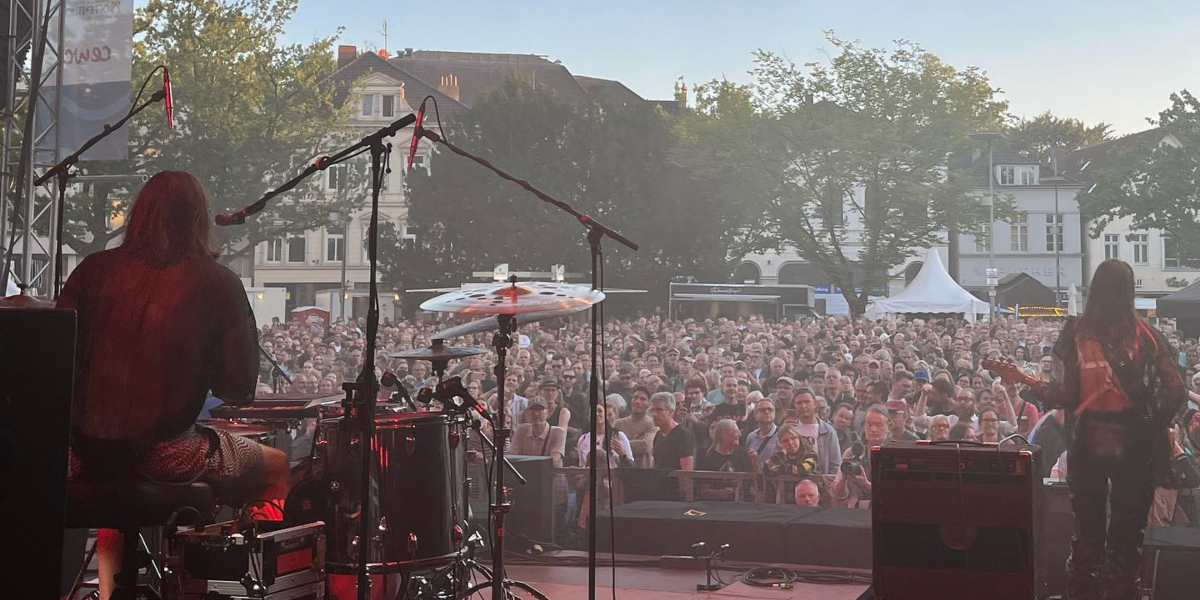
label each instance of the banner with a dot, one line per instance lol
(97, 61)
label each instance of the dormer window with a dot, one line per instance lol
(1018, 174)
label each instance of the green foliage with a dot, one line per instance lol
(1155, 185)
(607, 162)
(250, 113)
(1039, 135)
(800, 139)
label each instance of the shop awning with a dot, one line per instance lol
(726, 297)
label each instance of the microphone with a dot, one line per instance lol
(412, 147)
(167, 98)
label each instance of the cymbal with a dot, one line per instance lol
(437, 352)
(493, 323)
(513, 298)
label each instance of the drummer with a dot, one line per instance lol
(161, 323)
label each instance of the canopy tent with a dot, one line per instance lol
(931, 291)
(1184, 306)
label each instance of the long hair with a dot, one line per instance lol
(1109, 313)
(169, 220)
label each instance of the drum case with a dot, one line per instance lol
(221, 561)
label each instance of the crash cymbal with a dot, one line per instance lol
(437, 352)
(493, 323)
(514, 298)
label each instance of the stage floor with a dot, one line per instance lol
(560, 582)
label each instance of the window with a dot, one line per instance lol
(1172, 258)
(1018, 174)
(335, 247)
(1141, 248)
(1054, 233)
(982, 239)
(389, 106)
(336, 177)
(1008, 175)
(1029, 175)
(296, 249)
(273, 251)
(368, 105)
(1112, 246)
(1019, 229)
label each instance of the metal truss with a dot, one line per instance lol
(22, 208)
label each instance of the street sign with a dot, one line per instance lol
(992, 272)
(993, 281)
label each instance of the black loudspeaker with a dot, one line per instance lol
(755, 532)
(1173, 553)
(37, 367)
(532, 513)
(956, 521)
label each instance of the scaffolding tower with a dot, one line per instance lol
(26, 216)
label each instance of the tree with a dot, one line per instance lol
(1155, 185)
(846, 162)
(250, 112)
(608, 162)
(1039, 135)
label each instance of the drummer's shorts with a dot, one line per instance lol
(232, 465)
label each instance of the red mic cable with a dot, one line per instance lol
(167, 98)
(412, 148)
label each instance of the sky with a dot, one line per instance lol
(1097, 60)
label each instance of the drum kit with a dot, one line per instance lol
(417, 490)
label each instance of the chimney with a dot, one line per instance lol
(346, 55)
(449, 86)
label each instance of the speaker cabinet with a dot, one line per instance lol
(37, 367)
(956, 521)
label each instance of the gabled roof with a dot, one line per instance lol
(977, 166)
(1085, 162)
(480, 72)
(415, 89)
(609, 91)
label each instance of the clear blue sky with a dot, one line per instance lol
(1110, 60)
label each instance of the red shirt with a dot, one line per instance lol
(153, 342)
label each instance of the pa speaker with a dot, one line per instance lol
(956, 521)
(37, 358)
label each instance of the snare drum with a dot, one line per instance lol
(415, 497)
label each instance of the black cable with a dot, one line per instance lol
(769, 577)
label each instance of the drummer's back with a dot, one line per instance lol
(151, 341)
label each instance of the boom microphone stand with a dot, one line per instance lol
(359, 404)
(596, 231)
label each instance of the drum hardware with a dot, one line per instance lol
(277, 371)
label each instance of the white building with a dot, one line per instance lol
(1158, 269)
(1045, 236)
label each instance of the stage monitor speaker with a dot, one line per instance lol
(956, 521)
(37, 358)
(532, 513)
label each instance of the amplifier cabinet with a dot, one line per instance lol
(953, 521)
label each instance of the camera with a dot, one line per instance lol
(852, 467)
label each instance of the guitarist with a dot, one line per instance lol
(1116, 378)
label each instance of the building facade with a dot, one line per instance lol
(1044, 238)
(1158, 269)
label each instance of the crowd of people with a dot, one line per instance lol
(803, 398)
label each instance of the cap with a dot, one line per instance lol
(550, 382)
(787, 380)
(921, 375)
(897, 405)
(536, 402)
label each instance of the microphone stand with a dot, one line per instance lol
(62, 173)
(359, 404)
(596, 231)
(277, 371)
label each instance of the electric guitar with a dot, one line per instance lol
(1008, 371)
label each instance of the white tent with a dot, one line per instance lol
(932, 291)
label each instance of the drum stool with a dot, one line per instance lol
(128, 506)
